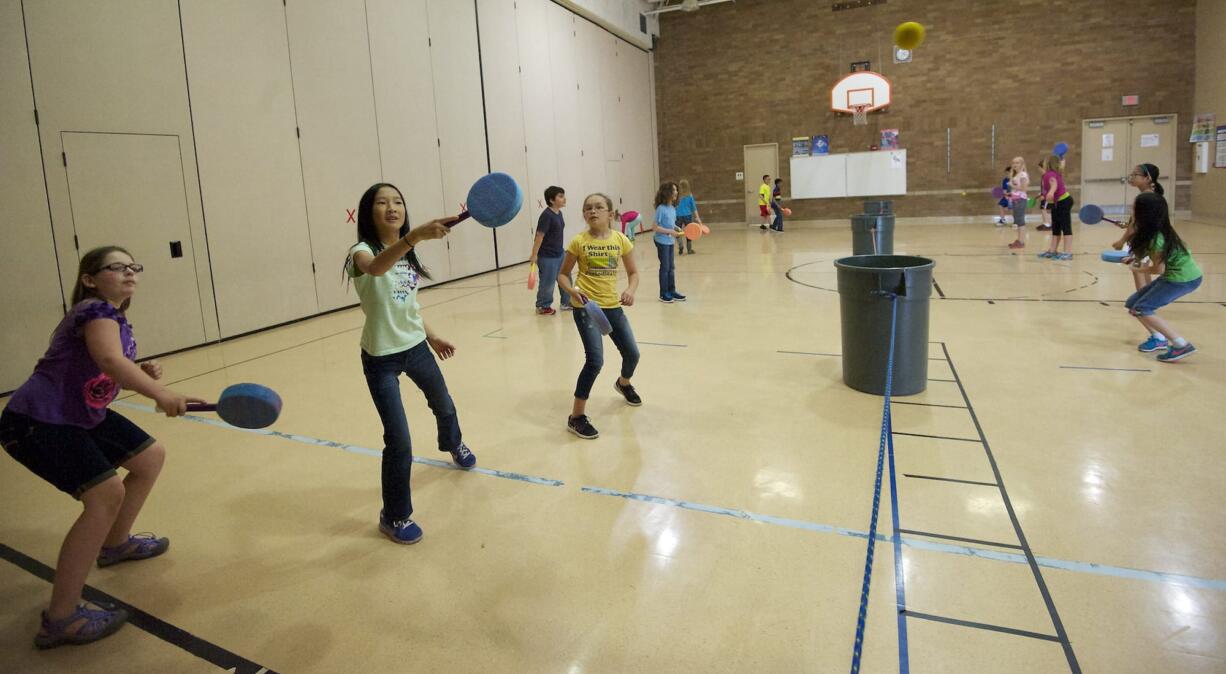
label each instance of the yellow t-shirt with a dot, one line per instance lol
(598, 262)
(764, 195)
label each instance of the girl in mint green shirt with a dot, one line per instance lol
(395, 340)
(1155, 248)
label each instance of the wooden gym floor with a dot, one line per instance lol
(721, 526)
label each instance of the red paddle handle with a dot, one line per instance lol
(462, 217)
(201, 407)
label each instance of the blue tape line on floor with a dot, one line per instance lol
(816, 527)
(356, 449)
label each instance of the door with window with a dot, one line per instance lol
(1110, 150)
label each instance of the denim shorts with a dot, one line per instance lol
(71, 458)
(1157, 294)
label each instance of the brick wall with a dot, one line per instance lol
(760, 71)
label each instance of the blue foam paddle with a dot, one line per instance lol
(1060, 150)
(1092, 215)
(494, 200)
(1114, 255)
(597, 315)
(244, 405)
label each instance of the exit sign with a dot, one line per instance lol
(1130, 100)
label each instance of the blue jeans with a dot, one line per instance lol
(682, 221)
(1157, 294)
(593, 347)
(548, 267)
(383, 380)
(668, 283)
(778, 223)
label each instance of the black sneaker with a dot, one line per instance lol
(581, 427)
(627, 391)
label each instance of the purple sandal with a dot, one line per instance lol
(140, 546)
(99, 624)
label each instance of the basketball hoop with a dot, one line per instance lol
(859, 114)
(859, 94)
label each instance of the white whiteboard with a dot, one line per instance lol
(819, 177)
(855, 174)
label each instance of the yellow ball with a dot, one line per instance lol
(908, 35)
(964, 194)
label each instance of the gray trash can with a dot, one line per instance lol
(884, 207)
(866, 283)
(865, 228)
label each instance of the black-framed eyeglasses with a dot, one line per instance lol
(595, 208)
(120, 267)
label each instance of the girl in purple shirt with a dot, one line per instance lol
(58, 425)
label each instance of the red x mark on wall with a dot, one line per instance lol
(349, 214)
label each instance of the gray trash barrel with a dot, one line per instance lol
(864, 228)
(885, 207)
(866, 283)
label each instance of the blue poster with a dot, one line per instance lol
(821, 144)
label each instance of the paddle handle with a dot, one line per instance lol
(1114, 222)
(192, 407)
(462, 217)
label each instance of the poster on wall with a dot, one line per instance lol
(800, 146)
(821, 144)
(1219, 159)
(889, 139)
(1202, 129)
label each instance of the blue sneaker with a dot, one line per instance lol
(463, 456)
(667, 299)
(1152, 344)
(1046, 255)
(1177, 353)
(1063, 256)
(404, 532)
(678, 297)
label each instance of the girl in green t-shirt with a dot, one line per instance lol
(1178, 274)
(395, 340)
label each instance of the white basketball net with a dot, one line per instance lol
(859, 115)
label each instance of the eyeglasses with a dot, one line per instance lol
(595, 208)
(119, 267)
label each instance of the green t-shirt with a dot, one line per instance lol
(1180, 267)
(393, 317)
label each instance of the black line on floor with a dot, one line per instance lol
(950, 479)
(1061, 634)
(678, 346)
(950, 381)
(979, 541)
(810, 353)
(905, 402)
(938, 288)
(982, 626)
(937, 437)
(207, 651)
(491, 334)
(1109, 369)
